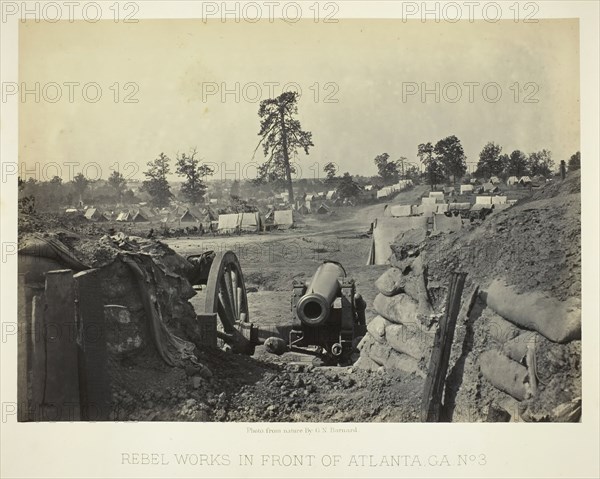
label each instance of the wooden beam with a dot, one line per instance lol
(23, 353)
(94, 384)
(440, 356)
(61, 395)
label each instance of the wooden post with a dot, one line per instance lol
(93, 376)
(440, 356)
(61, 395)
(38, 355)
(207, 323)
(23, 353)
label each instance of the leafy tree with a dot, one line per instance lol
(331, 170)
(118, 182)
(517, 164)
(575, 161)
(401, 166)
(281, 135)
(503, 161)
(80, 184)
(451, 155)
(433, 167)
(188, 166)
(541, 163)
(389, 171)
(490, 161)
(411, 172)
(57, 180)
(156, 184)
(129, 197)
(235, 189)
(347, 187)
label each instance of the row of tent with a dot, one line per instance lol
(255, 222)
(138, 215)
(428, 209)
(329, 195)
(390, 190)
(224, 223)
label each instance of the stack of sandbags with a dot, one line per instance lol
(398, 338)
(525, 322)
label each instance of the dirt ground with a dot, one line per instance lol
(543, 232)
(266, 387)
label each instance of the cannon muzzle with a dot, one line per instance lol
(314, 307)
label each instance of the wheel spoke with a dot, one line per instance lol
(239, 298)
(227, 291)
(236, 292)
(227, 317)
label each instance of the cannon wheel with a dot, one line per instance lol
(226, 296)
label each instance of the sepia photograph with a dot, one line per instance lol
(276, 215)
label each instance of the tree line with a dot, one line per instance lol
(445, 162)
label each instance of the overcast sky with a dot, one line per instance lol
(365, 65)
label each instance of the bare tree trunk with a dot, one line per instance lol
(286, 157)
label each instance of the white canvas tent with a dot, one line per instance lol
(513, 180)
(437, 196)
(229, 223)
(251, 222)
(385, 231)
(525, 180)
(284, 219)
(397, 211)
(466, 189)
(93, 214)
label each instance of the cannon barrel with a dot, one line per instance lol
(314, 307)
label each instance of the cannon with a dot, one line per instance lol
(328, 314)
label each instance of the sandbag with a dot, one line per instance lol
(409, 340)
(505, 374)
(516, 348)
(385, 356)
(402, 362)
(366, 363)
(391, 282)
(500, 329)
(559, 321)
(397, 309)
(417, 288)
(376, 328)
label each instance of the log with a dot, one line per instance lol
(440, 355)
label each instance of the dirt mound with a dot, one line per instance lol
(535, 245)
(535, 248)
(570, 185)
